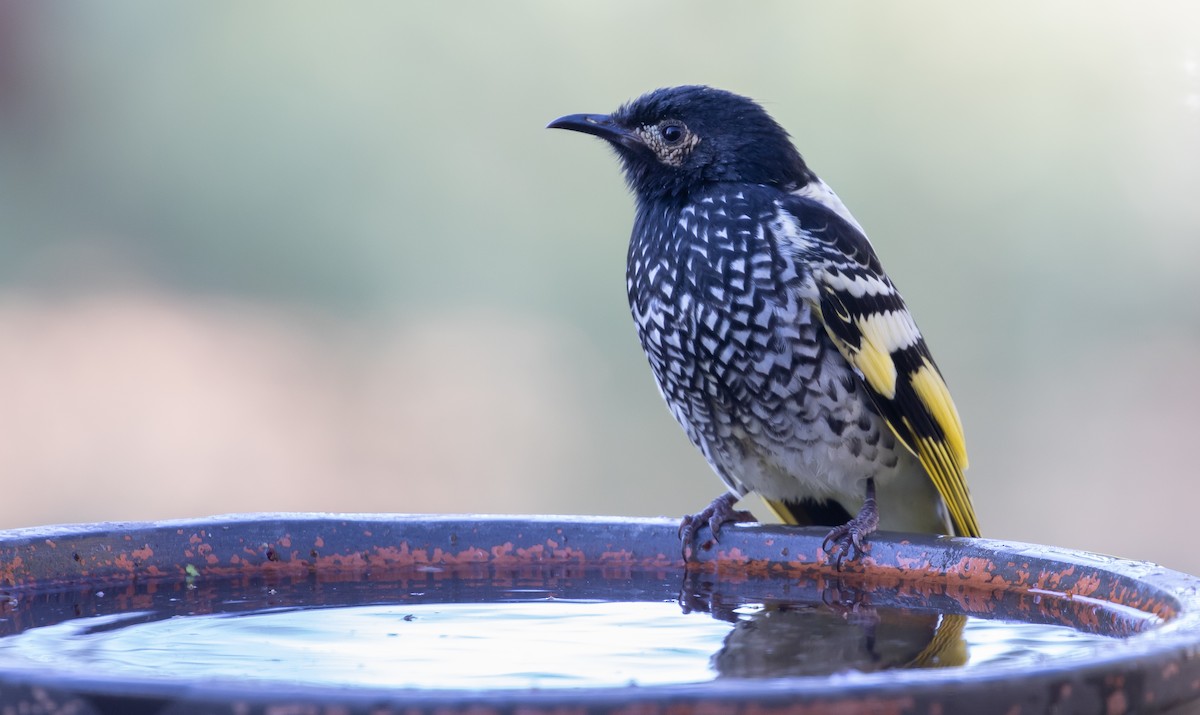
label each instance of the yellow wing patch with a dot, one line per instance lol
(876, 366)
(944, 459)
(947, 476)
(932, 390)
(881, 334)
(928, 399)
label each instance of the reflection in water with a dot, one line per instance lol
(840, 631)
(784, 640)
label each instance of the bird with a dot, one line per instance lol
(778, 341)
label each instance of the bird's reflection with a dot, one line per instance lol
(838, 629)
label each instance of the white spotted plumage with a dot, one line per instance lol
(770, 401)
(774, 334)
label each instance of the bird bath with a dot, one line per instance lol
(456, 614)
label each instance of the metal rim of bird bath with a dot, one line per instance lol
(139, 562)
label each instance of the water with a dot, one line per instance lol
(540, 644)
(437, 638)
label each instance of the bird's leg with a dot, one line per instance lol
(852, 604)
(715, 515)
(697, 595)
(850, 538)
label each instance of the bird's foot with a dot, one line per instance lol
(698, 594)
(850, 539)
(715, 515)
(852, 604)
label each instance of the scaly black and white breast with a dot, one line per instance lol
(747, 368)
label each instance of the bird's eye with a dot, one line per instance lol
(671, 133)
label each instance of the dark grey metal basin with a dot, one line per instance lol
(53, 574)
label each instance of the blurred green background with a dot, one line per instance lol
(301, 256)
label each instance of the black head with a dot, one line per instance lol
(675, 140)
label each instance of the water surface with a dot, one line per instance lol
(529, 639)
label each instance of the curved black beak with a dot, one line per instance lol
(599, 125)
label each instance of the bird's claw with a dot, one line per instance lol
(849, 539)
(715, 515)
